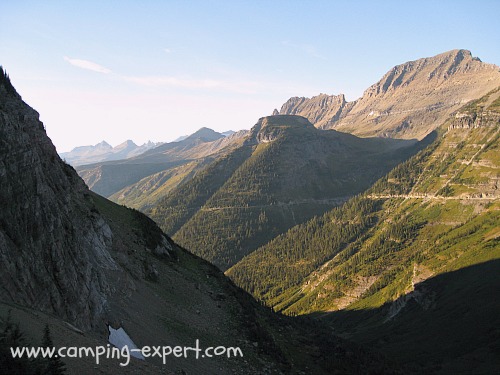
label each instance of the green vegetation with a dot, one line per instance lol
(141, 226)
(260, 190)
(11, 336)
(300, 251)
(376, 264)
(372, 240)
(144, 194)
(182, 203)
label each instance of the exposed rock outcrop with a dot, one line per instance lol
(49, 236)
(475, 120)
(321, 110)
(55, 247)
(268, 129)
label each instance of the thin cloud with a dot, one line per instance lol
(236, 86)
(167, 50)
(88, 65)
(175, 82)
(306, 48)
(194, 84)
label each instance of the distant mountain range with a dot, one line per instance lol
(142, 179)
(105, 152)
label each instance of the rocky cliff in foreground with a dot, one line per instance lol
(54, 245)
(410, 100)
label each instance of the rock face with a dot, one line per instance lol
(321, 110)
(410, 100)
(484, 112)
(268, 129)
(50, 238)
(57, 251)
(470, 121)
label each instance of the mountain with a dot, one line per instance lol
(410, 100)
(285, 172)
(320, 110)
(228, 133)
(225, 134)
(411, 265)
(74, 262)
(104, 152)
(178, 160)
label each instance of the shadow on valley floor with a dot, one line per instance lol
(449, 324)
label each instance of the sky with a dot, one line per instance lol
(157, 70)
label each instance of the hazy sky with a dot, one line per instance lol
(156, 70)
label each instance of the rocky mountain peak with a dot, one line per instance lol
(104, 145)
(128, 144)
(319, 110)
(205, 135)
(434, 69)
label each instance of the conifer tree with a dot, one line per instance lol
(53, 365)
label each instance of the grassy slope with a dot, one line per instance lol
(434, 214)
(144, 194)
(375, 235)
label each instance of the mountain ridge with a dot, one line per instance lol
(103, 151)
(119, 177)
(409, 101)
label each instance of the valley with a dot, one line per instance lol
(330, 237)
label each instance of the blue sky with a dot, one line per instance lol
(156, 70)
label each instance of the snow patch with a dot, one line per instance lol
(119, 338)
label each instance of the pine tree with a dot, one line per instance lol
(11, 336)
(53, 365)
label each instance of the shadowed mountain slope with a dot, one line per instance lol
(175, 159)
(285, 172)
